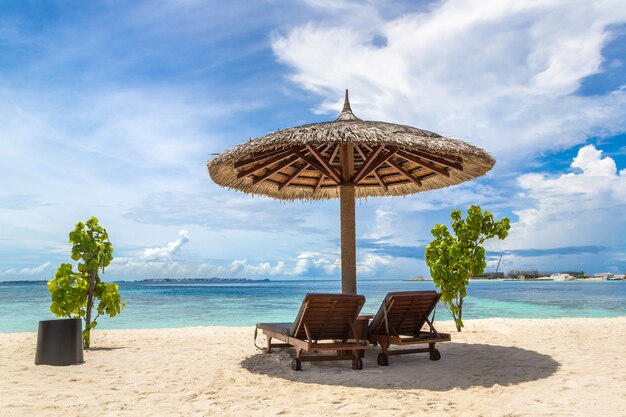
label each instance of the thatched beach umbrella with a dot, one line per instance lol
(347, 159)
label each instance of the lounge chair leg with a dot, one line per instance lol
(269, 345)
(434, 353)
(357, 362)
(296, 363)
(383, 357)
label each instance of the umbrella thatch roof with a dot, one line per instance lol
(311, 161)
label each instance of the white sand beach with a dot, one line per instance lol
(496, 367)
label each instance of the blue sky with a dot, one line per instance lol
(112, 109)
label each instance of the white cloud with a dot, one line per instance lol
(316, 264)
(582, 208)
(27, 271)
(166, 261)
(168, 251)
(502, 74)
(35, 270)
(155, 262)
(310, 264)
(307, 264)
(372, 265)
(243, 268)
(590, 161)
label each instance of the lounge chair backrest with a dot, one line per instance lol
(407, 312)
(327, 316)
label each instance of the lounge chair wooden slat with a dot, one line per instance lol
(324, 308)
(400, 321)
(325, 322)
(405, 313)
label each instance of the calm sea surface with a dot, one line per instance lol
(150, 305)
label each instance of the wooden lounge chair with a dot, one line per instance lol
(399, 321)
(325, 322)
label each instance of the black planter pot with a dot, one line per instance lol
(59, 342)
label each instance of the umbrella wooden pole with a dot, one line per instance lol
(348, 239)
(348, 221)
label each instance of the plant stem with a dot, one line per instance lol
(458, 328)
(92, 285)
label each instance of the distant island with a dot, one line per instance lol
(198, 280)
(535, 275)
(417, 278)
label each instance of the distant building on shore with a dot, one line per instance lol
(576, 274)
(490, 275)
(524, 274)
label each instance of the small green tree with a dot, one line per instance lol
(453, 259)
(73, 293)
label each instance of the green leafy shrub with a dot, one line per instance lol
(452, 259)
(73, 293)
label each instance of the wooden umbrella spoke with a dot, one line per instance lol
(358, 149)
(284, 164)
(456, 164)
(380, 181)
(266, 163)
(374, 173)
(256, 157)
(324, 148)
(319, 183)
(293, 176)
(317, 155)
(370, 166)
(334, 154)
(321, 168)
(388, 174)
(422, 178)
(367, 163)
(376, 176)
(403, 171)
(423, 162)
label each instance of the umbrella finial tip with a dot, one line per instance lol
(346, 103)
(346, 112)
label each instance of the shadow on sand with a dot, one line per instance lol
(93, 349)
(462, 365)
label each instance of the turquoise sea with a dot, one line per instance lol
(162, 305)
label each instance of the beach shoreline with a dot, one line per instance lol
(495, 367)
